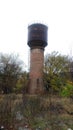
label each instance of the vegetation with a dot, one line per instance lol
(67, 91)
(51, 111)
(57, 71)
(12, 76)
(36, 112)
(22, 82)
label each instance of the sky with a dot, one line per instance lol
(17, 15)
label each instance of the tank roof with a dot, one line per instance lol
(38, 24)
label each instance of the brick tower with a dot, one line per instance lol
(37, 41)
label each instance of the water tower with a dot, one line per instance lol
(37, 41)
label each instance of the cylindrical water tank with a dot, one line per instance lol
(37, 35)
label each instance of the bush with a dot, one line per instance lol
(67, 91)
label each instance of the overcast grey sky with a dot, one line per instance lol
(16, 15)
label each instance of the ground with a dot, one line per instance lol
(51, 112)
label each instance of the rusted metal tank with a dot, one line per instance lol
(37, 35)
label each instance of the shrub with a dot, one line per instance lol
(67, 91)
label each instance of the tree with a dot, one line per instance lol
(56, 70)
(22, 83)
(10, 70)
(71, 70)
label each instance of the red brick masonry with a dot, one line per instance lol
(36, 70)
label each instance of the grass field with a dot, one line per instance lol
(46, 112)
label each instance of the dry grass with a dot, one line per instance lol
(46, 111)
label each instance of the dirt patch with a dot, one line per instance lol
(57, 108)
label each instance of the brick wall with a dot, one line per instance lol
(36, 70)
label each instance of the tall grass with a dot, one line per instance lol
(37, 112)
